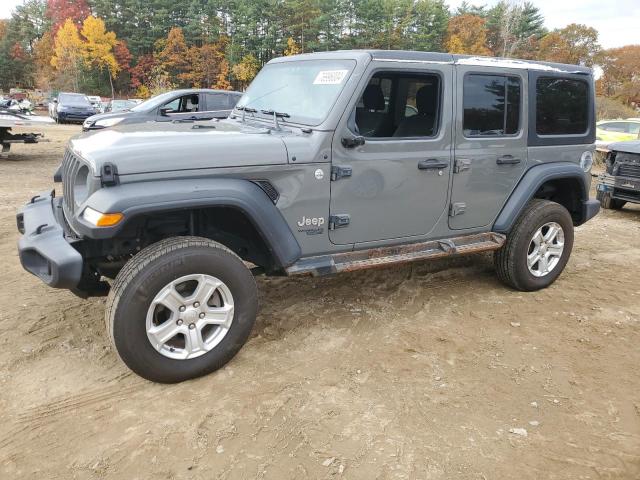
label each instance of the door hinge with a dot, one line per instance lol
(457, 208)
(461, 165)
(338, 172)
(339, 221)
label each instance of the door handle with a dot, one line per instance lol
(507, 160)
(432, 164)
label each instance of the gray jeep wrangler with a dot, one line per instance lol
(331, 162)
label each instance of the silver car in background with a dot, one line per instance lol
(190, 105)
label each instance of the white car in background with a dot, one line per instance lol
(96, 101)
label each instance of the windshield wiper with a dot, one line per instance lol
(245, 109)
(276, 115)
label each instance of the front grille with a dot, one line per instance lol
(627, 195)
(70, 166)
(629, 170)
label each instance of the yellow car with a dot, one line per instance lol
(609, 131)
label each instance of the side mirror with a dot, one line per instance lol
(353, 141)
(164, 112)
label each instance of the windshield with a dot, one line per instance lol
(74, 99)
(305, 89)
(122, 104)
(153, 102)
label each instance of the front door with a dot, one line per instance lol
(491, 143)
(391, 155)
(187, 108)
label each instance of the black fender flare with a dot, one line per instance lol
(532, 180)
(140, 198)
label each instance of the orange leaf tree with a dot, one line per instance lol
(576, 44)
(467, 34)
(174, 56)
(621, 74)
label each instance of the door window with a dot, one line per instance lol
(184, 104)
(399, 105)
(491, 105)
(562, 106)
(217, 101)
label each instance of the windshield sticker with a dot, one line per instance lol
(330, 77)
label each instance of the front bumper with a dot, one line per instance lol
(44, 248)
(590, 209)
(620, 188)
(75, 116)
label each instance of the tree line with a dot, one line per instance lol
(141, 47)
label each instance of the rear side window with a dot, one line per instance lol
(220, 101)
(562, 106)
(491, 105)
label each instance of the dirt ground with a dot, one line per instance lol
(413, 372)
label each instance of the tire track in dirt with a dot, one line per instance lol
(28, 423)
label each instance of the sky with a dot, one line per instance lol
(616, 20)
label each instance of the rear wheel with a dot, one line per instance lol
(181, 308)
(537, 248)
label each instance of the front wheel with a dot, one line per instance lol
(608, 203)
(537, 248)
(180, 309)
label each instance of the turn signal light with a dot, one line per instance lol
(100, 219)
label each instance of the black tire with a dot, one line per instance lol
(146, 274)
(609, 203)
(511, 260)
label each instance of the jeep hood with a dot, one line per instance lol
(632, 146)
(158, 147)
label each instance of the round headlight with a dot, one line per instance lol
(81, 185)
(586, 161)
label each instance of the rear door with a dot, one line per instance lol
(218, 105)
(490, 142)
(395, 184)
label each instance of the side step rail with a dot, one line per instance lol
(383, 256)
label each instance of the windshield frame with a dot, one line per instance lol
(292, 120)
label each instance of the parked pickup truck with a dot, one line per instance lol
(331, 162)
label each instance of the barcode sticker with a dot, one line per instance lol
(330, 77)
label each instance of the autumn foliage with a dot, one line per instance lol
(621, 74)
(143, 47)
(59, 11)
(467, 34)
